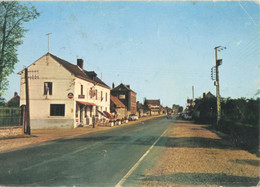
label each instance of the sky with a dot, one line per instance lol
(161, 49)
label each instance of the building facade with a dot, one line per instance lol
(62, 94)
(153, 106)
(117, 107)
(126, 96)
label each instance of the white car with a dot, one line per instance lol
(133, 117)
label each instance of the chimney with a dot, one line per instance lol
(113, 85)
(128, 86)
(80, 63)
(15, 93)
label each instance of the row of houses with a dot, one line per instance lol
(62, 94)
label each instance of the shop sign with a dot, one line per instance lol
(70, 95)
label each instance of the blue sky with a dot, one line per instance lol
(161, 49)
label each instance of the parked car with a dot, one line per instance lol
(186, 116)
(133, 117)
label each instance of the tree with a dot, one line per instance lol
(12, 17)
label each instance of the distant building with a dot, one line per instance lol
(140, 109)
(14, 101)
(126, 96)
(153, 105)
(208, 95)
(62, 94)
(117, 107)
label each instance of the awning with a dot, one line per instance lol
(109, 116)
(86, 103)
(102, 113)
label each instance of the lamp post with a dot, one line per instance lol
(218, 63)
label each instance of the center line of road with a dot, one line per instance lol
(138, 162)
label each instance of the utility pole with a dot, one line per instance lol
(193, 93)
(28, 127)
(218, 63)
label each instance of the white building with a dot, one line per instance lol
(62, 94)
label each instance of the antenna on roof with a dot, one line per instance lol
(48, 34)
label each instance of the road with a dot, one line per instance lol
(119, 156)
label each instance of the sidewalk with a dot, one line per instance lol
(39, 136)
(193, 155)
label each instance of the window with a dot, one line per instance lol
(101, 96)
(57, 110)
(81, 96)
(96, 94)
(47, 88)
(106, 96)
(81, 90)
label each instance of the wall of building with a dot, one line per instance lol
(123, 96)
(46, 69)
(132, 99)
(102, 100)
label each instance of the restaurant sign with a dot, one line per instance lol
(70, 95)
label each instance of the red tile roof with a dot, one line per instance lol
(117, 102)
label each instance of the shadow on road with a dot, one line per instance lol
(218, 179)
(188, 142)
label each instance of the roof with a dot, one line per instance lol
(78, 72)
(153, 102)
(16, 96)
(74, 69)
(122, 87)
(117, 102)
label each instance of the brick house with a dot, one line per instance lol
(126, 96)
(117, 107)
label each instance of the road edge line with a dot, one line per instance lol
(138, 162)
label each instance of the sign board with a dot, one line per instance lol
(121, 96)
(92, 92)
(70, 95)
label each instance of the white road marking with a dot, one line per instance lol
(138, 162)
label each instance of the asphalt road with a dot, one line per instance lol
(119, 156)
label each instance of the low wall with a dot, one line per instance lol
(51, 123)
(11, 131)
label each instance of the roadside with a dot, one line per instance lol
(193, 155)
(39, 136)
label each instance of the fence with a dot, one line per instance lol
(10, 116)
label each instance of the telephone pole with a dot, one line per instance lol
(28, 126)
(218, 63)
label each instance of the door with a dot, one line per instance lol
(81, 113)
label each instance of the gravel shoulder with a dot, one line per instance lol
(194, 155)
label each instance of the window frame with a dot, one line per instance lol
(57, 112)
(49, 90)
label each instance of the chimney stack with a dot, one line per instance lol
(128, 86)
(113, 86)
(80, 63)
(15, 94)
